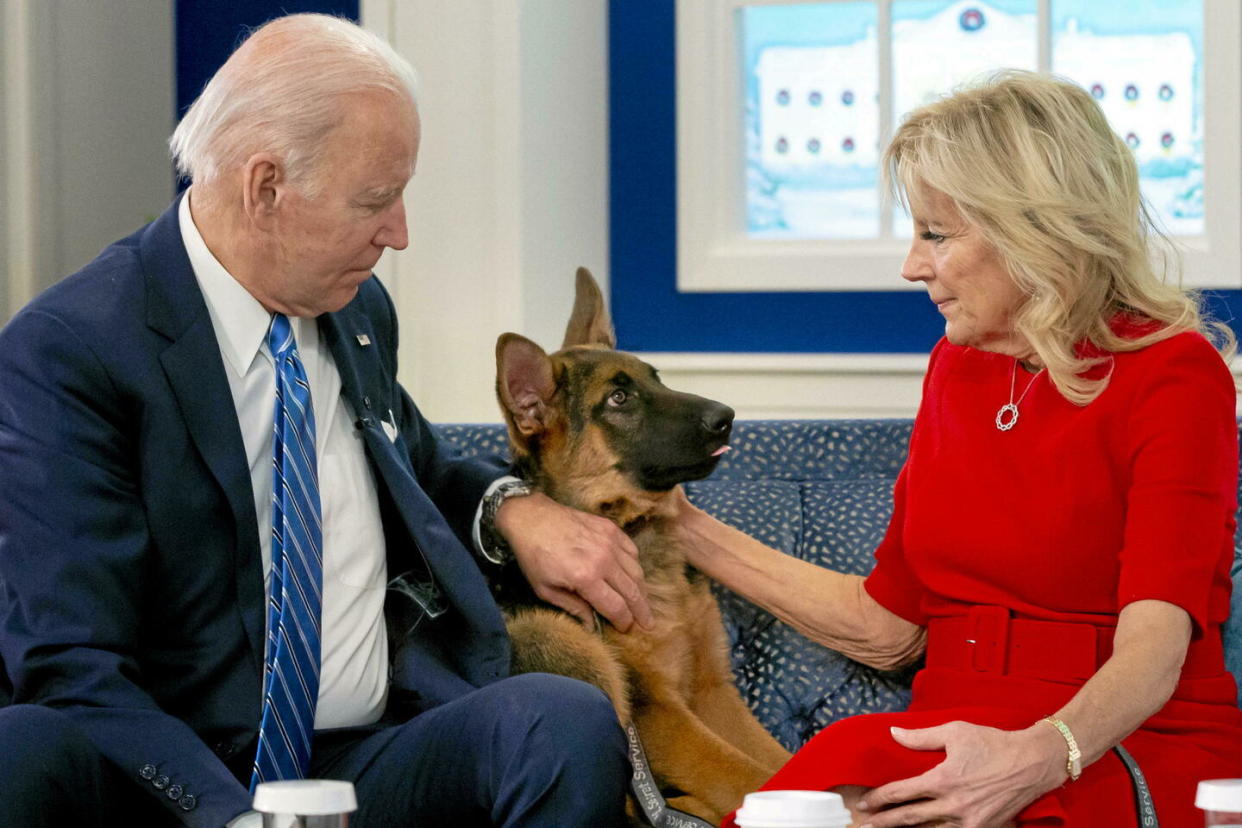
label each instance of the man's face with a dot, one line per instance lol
(326, 246)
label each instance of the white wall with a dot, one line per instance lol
(5, 154)
(87, 107)
(510, 195)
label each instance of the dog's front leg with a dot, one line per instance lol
(714, 697)
(722, 709)
(686, 753)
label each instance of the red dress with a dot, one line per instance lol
(1068, 517)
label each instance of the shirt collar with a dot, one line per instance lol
(240, 322)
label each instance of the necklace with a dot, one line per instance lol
(1007, 414)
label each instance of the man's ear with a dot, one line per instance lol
(263, 188)
(589, 324)
(524, 382)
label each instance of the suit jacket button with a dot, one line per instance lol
(187, 802)
(147, 772)
(160, 782)
(175, 791)
(225, 749)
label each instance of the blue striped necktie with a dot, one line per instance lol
(291, 668)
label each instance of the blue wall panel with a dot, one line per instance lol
(208, 32)
(650, 314)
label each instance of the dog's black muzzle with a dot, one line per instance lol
(717, 420)
(682, 441)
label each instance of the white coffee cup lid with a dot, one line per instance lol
(793, 809)
(305, 797)
(1220, 795)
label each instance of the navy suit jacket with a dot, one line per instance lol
(129, 558)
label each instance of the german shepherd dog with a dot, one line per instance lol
(594, 428)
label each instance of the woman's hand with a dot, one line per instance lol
(986, 778)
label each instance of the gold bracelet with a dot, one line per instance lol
(1073, 762)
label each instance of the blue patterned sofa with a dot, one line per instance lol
(820, 490)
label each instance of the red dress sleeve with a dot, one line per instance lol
(891, 583)
(1183, 443)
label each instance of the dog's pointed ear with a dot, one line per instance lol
(589, 324)
(524, 382)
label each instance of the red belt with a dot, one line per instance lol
(990, 639)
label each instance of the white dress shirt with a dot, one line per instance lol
(353, 683)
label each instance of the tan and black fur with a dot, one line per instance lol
(594, 428)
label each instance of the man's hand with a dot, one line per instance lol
(987, 777)
(576, 561)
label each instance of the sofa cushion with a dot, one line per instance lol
(1233, 627)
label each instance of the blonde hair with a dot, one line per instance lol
(281, 92)
(1031, 161)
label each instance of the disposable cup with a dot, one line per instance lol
(793, 809)
(1221, 802)
(305, 803)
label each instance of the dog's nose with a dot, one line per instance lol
(717, 418)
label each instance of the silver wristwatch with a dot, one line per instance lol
(495, 548)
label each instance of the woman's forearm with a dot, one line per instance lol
(829, 607)
(1148, 651)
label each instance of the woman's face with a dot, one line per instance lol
(964, 277)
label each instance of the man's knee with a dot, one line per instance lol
(566, 726)
(570, 766)
(565, 706)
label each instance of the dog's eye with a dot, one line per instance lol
(617, 397)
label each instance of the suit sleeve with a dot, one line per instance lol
(74, 550)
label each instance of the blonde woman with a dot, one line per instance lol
(1063, 528)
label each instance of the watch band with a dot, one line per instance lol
(1073, 762)
(495, 548)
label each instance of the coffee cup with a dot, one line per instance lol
(1221, 802)
(793, 809)
(305, 803)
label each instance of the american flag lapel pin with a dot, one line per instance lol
(363, 340)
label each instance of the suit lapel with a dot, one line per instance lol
(369, 390)
(344, 332)
(369, 387)
(194, 369)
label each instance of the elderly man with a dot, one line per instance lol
(210, 475)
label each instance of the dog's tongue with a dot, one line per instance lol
(720, 451)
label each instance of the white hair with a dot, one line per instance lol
(281, 92)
